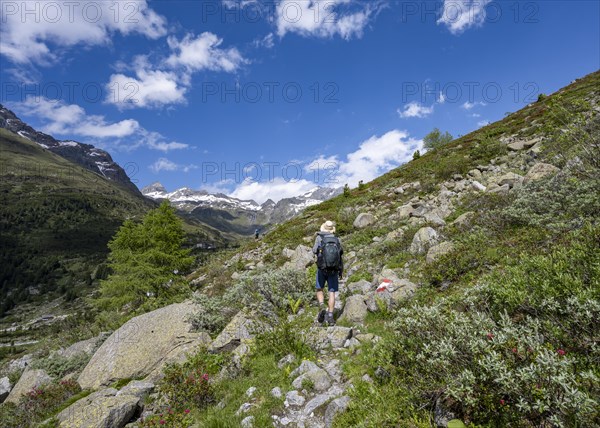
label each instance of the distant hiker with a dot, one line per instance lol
(330, 267)
(256, 234)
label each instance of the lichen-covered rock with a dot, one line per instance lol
(29, 379)
(87, 346)
(142, 346)
(355, 309)
(540, 170)
(300, 258)
(240, 328)
(361, 287)
(464, 220)
(364, 220)
(425, 238)
(322, 338)
(319, 378)
(102, 409)
(403, 290)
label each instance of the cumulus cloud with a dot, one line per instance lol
(324, 18)
(374, 156)
(460, 15)
(34, 31)
(483, 123)
(164, 164)
(168, 82)
(275, 189)
(415, 109)
(72, 121)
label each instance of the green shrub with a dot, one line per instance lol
(38, 404)
(282, 340)
(516, 350)
(184, 387)
(58, 366)
(180, 418)
(211, 316)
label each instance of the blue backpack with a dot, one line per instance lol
(329, 254)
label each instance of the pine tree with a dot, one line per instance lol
(146, 260)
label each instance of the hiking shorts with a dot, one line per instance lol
(326, 277)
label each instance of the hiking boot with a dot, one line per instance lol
(329, 318)
(321, 316)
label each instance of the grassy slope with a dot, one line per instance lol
(56, 219)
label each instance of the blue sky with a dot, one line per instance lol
(266, 99)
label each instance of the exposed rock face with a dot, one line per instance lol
(361, 287)
(102, 409)
(338, 405)
(142, 346)
(540, 170)
(425, 238)
(523, 144)
(464, 220)
(29, 379)
(364, 220)
(355, 310)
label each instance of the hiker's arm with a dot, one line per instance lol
(316, 246)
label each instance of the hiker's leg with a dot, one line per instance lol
(320, 285)
(331, 301)
(332, 285)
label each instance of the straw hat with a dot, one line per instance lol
(328, 226)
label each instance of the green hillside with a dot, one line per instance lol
(55, 221)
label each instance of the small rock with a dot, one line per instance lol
(319, 378)
(244, 408)
(367, 378)
(351, 343)
(405, 211)
(305, 367)
(294, 399)
(248, 422)
(336, 406)
(287, 360)
(540, 170)
(476, 185)
(423, 240)
(355, 310)
(501, 190)
(360, 287)
(250, 392)
(364, 220)
(276, 392)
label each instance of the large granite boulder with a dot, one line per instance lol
(103, 409)
(143, 345)
(5, 388)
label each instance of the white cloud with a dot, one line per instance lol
(168, 82)
(469, 106)
(324, 18)
(483, 123)
(275, 189)
(203, 53)
(233, 4)
(34, 31)
(460, 15)
(415, 109)
(267, 41)
(375, 156)
(476, 115)
(164, 164)
(441, 98)
(72, 121)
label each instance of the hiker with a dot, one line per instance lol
(256, 233)
(330, 267)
